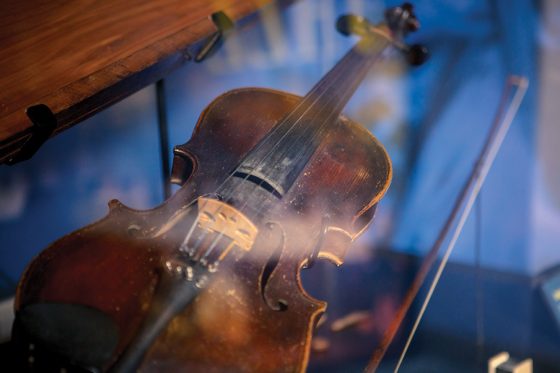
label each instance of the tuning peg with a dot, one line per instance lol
(412, 23)
(408, 7)
(417, 54)
(401, 19)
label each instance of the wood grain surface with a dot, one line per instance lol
(81, 56)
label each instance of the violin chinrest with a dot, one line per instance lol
(80, 334)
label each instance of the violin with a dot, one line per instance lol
(210, 279)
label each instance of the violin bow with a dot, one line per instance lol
(516, 87)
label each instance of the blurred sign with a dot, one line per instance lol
(503, 363)
(550, 288)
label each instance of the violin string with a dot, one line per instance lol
(212, 246)
(339, 102)
(275, 129)
(289, 116)
(185, 243)
(353, 54)
(302, 104)
(312, 131)
(305, 130)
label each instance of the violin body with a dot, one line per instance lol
(253, 315)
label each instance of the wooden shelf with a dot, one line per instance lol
(81, 56)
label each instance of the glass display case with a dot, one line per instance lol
(500, 289)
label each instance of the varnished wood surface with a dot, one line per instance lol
(81, 56)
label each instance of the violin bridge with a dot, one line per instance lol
(220, 218)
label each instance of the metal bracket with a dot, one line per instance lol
(44, 123)
(223, 25)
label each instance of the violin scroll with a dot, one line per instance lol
(399, 22)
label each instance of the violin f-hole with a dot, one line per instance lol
(278, 238)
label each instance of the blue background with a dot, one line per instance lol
(432, 119)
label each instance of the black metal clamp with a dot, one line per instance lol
(44, 124)
(223, 25)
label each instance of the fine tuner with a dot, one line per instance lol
(399, 21)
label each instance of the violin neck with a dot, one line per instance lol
(279, 158)
(331, 94)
